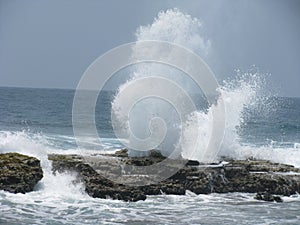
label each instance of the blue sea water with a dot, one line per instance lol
(49, 112)
(39, 121)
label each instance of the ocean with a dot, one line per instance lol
(258, 124)
(39, 121)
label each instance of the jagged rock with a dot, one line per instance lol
(252, 176)
(122, 153)
(19, 173)
(266, 196)
(156, 154)
(96, 185)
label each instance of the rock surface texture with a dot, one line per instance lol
(105, 176)
(19, 173)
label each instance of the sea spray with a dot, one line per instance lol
(174, 26)
(24, 142)
(178, 28)
(245, 96)
(238, 94)
(62, 185)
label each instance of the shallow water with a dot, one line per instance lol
(75, 208)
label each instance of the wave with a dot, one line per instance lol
(241, 94)
(39, 144)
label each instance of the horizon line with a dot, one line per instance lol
(74, 89)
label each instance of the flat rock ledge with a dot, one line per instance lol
(105, 176)
(19, 173)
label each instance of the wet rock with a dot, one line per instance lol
(19, 173)
(121, 153)
(156, 154)
(266, 196)
(96, 185)
(192, 163)
(252, 176)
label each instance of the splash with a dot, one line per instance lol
(243, 95)
(24, 142)
(178, 28)
(37, 145)
(240, 94)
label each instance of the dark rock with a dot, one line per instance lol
(266, 196)
(277, 198)
(19, 173)
(156, 154)
(192, 163)
(96, 185)
(122, 153)
(252, 176)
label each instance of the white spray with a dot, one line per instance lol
(176, 27)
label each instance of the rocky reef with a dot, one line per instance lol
(105, 176)
(118, 176)
(19, 173)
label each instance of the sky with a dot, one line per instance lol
(50, 43)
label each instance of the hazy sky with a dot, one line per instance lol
(50, 43)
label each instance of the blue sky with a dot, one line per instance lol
(50, 43)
